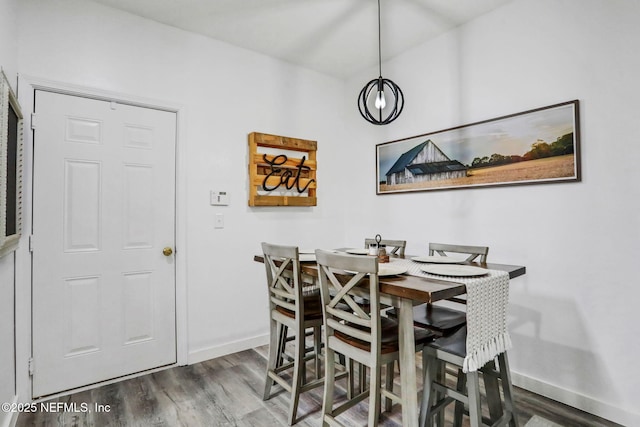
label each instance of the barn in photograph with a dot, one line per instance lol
(424, 162)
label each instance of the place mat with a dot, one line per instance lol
(438, 259)
(454, 270)
(415, 269)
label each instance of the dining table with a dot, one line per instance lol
(404, 291)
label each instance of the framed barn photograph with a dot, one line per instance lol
(531, 147)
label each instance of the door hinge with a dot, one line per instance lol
(33, 120)
(31, 243)
(31, 366)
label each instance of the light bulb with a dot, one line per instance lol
(380, 101)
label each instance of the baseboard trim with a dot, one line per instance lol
(201, 355)
(576, 400)
(9, 419)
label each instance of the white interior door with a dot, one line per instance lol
(104, 210)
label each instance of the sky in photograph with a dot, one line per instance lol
(508, 136)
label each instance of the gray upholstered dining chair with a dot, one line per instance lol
(473, 349)
(357, 331)
(394, 247)
(437, 393)
(473, 252)
(290, 311)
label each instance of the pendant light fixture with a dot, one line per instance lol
(381, 101)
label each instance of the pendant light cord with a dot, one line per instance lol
(379, 43)
(392, 107)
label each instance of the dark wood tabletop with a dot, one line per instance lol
(419, 289)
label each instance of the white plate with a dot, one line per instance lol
(307, 257)
(438, 259)
(454, 270)
(390, 270)
(358, 251)
(387, 270)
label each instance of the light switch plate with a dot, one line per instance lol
(218, 222)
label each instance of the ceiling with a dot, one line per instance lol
(335, 37)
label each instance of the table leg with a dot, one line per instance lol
(408, 378)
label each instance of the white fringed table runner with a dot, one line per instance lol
(487, 301)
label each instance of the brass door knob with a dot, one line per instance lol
(167, 251)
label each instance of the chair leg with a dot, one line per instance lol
(282, 344)
(425, 386)
(507, 388)
(492, 390)
(342, 360)
(274, 357)
(317, 348)
(458, 412)
(374, 396)
(473, 388)
(362, 378)
(441, 373)
(303, 364)
(389, 385)
(430, 365)
(329, 383)
(351, 387)
(298, 375)
(362, 375)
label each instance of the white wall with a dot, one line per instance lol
(9, 39)
(9, 63)
(225, 94)
(573, 316)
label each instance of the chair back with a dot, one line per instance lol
(473, 252)
(341, 313)
(394, 247)
(282, 265)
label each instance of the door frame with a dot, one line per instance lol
(24, 310)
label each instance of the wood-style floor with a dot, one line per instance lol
(228, 392)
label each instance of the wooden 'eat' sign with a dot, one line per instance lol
(282, 171)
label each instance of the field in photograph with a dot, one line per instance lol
(547, 168)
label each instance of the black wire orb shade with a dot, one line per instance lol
(381, 101)
(385, 106)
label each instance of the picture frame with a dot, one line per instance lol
(11, 152)
(537, 146)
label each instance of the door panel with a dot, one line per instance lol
(82, 206)
(104, 208)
